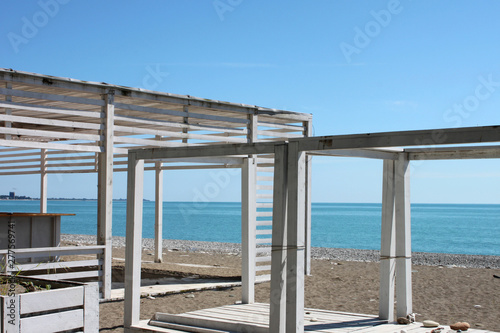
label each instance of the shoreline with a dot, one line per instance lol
(320, 253)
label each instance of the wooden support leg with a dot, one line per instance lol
(159, 213)
(403, 237)
(133, 241)
(277, 317)
(388, 245)
(248, 229)
(296, 239)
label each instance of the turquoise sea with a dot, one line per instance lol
(439, 228)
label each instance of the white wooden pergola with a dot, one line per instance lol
(53, 125)
(286, 309)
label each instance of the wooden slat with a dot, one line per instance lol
(263, 241)
(56, 251)
(263, 268)
(54, 322)
(51, 300)
(60, 264)
(263, 259)
(69, 276)
(264, 232)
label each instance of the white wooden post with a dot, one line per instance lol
(105, 192)
(158, 212)
(296, 239)
(403, 237)
(308, 205)
(249, 217)
(277, 316)
(388, 245)
(43, 181)
(248, 228)
(133, 241)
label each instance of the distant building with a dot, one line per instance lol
(12, 195)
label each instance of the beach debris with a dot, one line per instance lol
(411, 317)
(430, 323)
(189, 296)
(477, 306)
(437, 330)
(150, 297)
(403, 331)
(496, 276)
(238, 302)
(462, 326)
(403, 321)
(231, 295)
(313, 319)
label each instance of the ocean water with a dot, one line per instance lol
(438, 228)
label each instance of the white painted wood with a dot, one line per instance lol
(25, 268)
(248, 228)
(43, 181)
(47, 109)
(50, 122)
(53, 251)
(10, 311)
(133, 249)
(388, 245)
(375, 153)
(91, 309)
(296, 239)
(158, 257)
(105, 192)
(70, 275)
(8, 111)
(48, 145)
(54, 322)
(403, 237)
(51, 300)
(49, 134)
(51, 97)
(277, 315)
(308, 131)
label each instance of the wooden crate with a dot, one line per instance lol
(65, 306)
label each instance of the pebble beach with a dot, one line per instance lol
(446, 288)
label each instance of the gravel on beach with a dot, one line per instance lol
(418, 258)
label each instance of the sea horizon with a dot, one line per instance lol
(454, 228)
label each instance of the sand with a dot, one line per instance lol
(445, 294)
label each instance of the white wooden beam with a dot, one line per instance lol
(388, 245)
(133, 241)
(403, 237)
(451, 153)
(43, 181)
(105, 192)
(248, 228)
(158, 212)
(48, 145)
(296, 239)
(277, 316)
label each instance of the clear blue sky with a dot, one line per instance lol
(357, 66)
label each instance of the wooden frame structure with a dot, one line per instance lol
(54, 125)
(396, 149)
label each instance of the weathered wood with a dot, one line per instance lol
(91, 309)
(308, 131)
(248, 228)
(10, 314)
(54, 322)
(388, 245)
(296, 239)
(48, 145)
(52, 300)
(133, 249)
(277, 317)
(43, 181)
(105, 192)
(403, 237)
(158, 257)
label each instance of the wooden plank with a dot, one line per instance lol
(10, 305)
(91, 315)
(180, 328)
(51, 122)
(263, 259)
(388, 244)
(308, 131)
(158, 257)
(51, 300)
(296, 239)
(51, 97)
(50, 134)
(277, 311)
(55, 265)
(52, 251)
(248, 228)
(48, 145)
(133, 241)
(70, 275)
(403, 237)
(55, 322)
